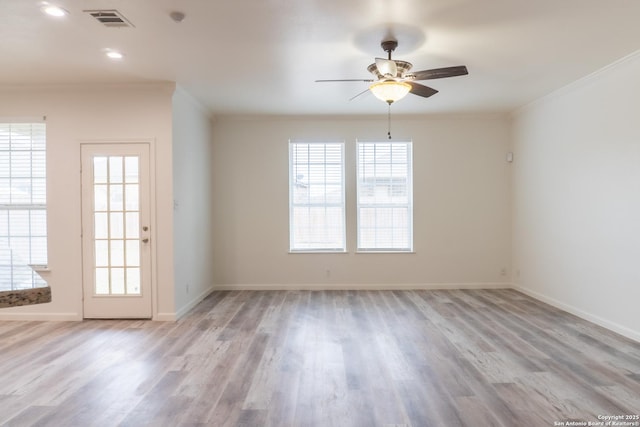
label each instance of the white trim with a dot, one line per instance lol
(612, 326)
(197, 300)
(36, 254)
(576, 84)
(360, 182)
(39, 317)
(318, 251)
(23, 120)
(169, 87)
(293, 142)
(360, 286)
(165, 317)
(150, 142)
(153, 224)
(383, 251)
(410, 117)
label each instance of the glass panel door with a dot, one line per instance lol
(115, 208)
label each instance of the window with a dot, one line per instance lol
(316, 196)
(385, 197)
(23, 215)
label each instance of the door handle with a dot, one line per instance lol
(145, 240)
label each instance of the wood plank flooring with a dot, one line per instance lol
(323, 358)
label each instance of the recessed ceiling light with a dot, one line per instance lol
(53, 10)
(114, 54)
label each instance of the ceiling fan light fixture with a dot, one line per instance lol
(390, 91)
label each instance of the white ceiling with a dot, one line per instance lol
(262, 56)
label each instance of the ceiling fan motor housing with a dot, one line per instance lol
(402, 67)
(389, 46)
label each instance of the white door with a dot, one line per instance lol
(115, 230)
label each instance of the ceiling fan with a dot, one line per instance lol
(394, 79)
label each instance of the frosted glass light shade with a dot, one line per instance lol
(390, 91)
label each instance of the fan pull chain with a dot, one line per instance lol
(389, 122)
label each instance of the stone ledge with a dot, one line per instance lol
(25, 297)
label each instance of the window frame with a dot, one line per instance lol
(298, 247)
(409, 248)
(19, 268)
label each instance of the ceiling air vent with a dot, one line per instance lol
(110, 18)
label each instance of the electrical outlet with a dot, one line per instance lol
(187, 288)
(503, 272)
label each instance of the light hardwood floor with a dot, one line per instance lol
(323, 358)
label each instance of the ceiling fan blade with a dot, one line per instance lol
(387, 67)
(440, 73)
(421, 90)
(361, 93)
(346, 80)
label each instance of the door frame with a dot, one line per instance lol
(150, 142)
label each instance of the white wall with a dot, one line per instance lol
(88, 113)
(192, 192)
(577, 198)
(461, 198)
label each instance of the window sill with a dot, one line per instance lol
(386, 252)
(40, 268)
(318, 252)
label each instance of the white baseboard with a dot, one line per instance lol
(195, 301)
(40, 317)
(359, 286)
(160, 317)
(165, 317)
(612, 326)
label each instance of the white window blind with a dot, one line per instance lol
(385, 196)
(23, 215)
(316, 196)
